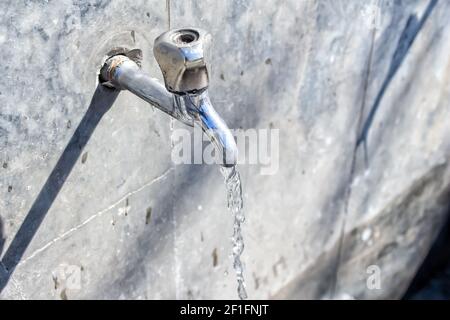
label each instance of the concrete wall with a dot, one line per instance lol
(87, 184)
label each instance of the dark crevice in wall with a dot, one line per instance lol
(432, 280)
(2, 239)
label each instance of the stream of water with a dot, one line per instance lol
(235, 205)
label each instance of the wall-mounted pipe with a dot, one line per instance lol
(183, 59)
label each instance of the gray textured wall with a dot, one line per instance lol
(317, 70)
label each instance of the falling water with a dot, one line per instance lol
(198, 106)
(235, 205)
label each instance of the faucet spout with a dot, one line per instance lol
(181, 57)
(199, 107)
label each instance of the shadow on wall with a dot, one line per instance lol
(432, 281)
(101, 102)
(406, 40)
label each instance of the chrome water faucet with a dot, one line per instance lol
(183, 57)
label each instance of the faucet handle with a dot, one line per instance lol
(183, 56)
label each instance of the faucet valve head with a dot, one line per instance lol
(183, 56)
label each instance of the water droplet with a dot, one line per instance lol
(366, 234)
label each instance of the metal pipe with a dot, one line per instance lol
(181, 57)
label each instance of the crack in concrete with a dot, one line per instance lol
(168, 13)
(352, 169)
(94, 216)
(396, 62)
